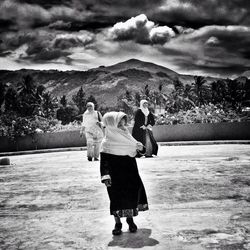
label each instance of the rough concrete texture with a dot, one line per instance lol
(198, 197)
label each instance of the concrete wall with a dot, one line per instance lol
(61, 139)
(183, 132)
(203, 132)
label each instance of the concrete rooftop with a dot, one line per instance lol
(198, 198)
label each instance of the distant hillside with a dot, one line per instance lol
(105, 83)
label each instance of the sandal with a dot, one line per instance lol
(132, 226)
(118, 229)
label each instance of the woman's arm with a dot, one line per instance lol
(105, 169)
(139, 118)
(151, 119)
(100, 123)
(82, 130)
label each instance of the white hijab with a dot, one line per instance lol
(90, 104)
(145, 111)
(117, 141)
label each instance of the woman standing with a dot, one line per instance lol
(142, 130)
(92, 127)
(119, 171)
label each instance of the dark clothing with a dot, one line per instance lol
(127, 194)
(140, 134)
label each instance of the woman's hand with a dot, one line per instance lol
(107, 182)
(143, 127)
(139, 146)
(149, 127)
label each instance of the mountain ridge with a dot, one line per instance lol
(103, 82)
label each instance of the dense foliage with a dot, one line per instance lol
(30, 109)
(200, 102)
(208, 113)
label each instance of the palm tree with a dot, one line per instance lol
(180, 99)
(137, 99)
(3, 87)
(178, 85)
(147, 91)
(218, 92)
(40, 91)
(79, 100)
(176, 102)
(27, 100)
(48, 105)
(26, 86)
(160, 99)
(11, 103)
(200, 90)
(236, 93)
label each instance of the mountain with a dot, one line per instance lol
(104, 83)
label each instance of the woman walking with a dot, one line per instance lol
(119, 171)
(142, 130)
(92, 127)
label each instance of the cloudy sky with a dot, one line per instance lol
(208, 37)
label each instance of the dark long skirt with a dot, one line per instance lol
(127, 193)
(146, 137)
(150, 143)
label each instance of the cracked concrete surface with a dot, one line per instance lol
(198, 199)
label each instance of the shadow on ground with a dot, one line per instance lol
(139, 239)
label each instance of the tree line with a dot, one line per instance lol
(224, 93)
(26, 107)
(28, 100)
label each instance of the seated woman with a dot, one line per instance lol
(119, 171)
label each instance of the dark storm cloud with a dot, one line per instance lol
(58, 46)
(233, 39)
(47, 4)
(94, 26)
(96, 14)
(13, 40)
(6, 25)
(77, 14)
(66, 41)
(23, 15)
(212, 49)
(195, 14)
(221, 67)
(225, 70)
(42, 45)
(48, 55)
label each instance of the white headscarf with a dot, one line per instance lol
(117, 141)
(90, 104)
(145, 111)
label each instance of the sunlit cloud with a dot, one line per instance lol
(141, 30)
